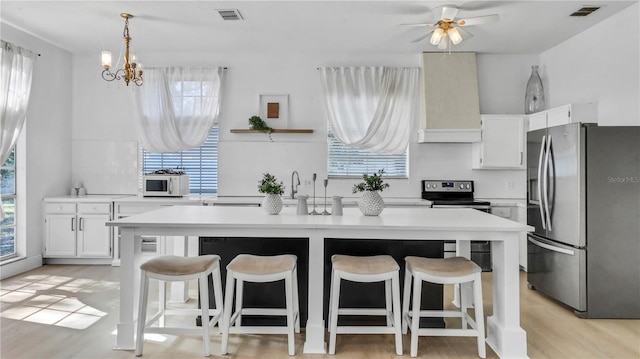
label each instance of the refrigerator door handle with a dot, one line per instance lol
(545, 184)
(552, 248)
(540, 179)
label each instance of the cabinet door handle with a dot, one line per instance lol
(73, 224)
(81, 224)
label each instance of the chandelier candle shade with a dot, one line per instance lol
(131, 71)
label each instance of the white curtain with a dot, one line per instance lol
(371, 108)
(177, 107)
(16, 69)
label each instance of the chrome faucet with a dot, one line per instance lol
(294, 185)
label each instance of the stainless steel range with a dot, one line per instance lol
(450, 194)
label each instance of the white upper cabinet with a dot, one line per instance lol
(562, 115)
(502, 144)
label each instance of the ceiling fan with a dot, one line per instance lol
(448, 30)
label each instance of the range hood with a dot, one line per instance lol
(450, 102)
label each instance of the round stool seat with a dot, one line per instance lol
(364, 265)
(442, 267)
(263, 265)
(176, 266)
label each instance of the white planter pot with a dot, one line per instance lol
(272, 203)
(371, 203)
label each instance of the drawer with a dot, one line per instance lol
(52, 208)
(94, 208)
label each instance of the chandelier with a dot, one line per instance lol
(131, 71)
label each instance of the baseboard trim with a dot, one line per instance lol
(19, 266)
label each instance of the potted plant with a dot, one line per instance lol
(269, 185)
(258, 124)
(371, 202)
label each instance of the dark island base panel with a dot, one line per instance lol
(265, 295)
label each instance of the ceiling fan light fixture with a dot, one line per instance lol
(454, 35)
(437, 36)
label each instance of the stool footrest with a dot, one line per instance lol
(448, 332)
(365, 330)
(258, 330)
(173, 330)
(264, 311)
(363, 311)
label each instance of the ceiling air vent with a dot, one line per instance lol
(230, 14)
(585, 10)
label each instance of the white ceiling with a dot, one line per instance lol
(358, 27)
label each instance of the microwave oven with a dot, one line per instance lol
(165, 185)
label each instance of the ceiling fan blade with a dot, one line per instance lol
(423, 37)
(478, 20)
(449, 12)
(418, 25)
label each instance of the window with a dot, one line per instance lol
(8, 224)
(344, 161)
(201, 164)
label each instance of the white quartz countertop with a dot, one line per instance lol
(287, 201)
(93, 198)
(401, 219)
(172, 200)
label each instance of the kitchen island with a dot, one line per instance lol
(504, 334)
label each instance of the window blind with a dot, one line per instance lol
(201, 164)
(344, 161)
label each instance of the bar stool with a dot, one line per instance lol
(365, 269)
(171, 268)
(261, 269)
(455, 270)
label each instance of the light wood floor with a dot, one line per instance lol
(71, 312)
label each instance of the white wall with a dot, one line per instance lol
(44, 155)
(103, 118)
(600, 65)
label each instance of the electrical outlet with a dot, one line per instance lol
(509, 184)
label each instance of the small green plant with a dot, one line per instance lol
(269, 184)
(258, 124)
(371, 183)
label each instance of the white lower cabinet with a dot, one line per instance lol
(77, 230)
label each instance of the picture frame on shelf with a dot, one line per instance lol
(274, 110)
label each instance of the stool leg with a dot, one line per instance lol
(217, 293)
(406, 297)
(239, 294)
(288, 288)
(330, 301)
(387, 300)
(335, 300)
(415, 320)
(296, 300)
(463, 305)
(162, 301)
(142, 311)
(479, 315)
(395, 287)
(228, 304)
(204, 305)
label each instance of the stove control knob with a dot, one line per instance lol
(461, 186)
(468, 186)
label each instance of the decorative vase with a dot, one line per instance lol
(534, 95)
(272, 203)
(371, 203)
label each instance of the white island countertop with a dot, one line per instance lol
(504, 334)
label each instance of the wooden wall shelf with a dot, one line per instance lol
(275, 130)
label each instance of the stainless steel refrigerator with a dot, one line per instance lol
(584, 202)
